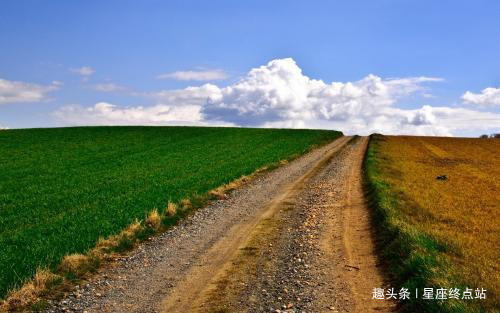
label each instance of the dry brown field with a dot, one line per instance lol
(462, 211)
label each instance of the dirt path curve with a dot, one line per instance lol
(297, 239)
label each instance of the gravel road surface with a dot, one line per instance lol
(296, 239)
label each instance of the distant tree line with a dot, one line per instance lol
(490, 136)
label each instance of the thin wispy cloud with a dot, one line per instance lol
(107, 87)
(83, 71)
(199, 75)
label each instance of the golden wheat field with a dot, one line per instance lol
(461, 211)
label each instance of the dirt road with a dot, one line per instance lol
(297, 239)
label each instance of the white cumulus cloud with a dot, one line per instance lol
(16, 91)
(488, 97)
(280, 95)
(279, 91)
(200, 75)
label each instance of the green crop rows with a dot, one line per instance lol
(62, 189)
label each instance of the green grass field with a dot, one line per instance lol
(62, 189)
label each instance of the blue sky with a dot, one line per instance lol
(69, 63)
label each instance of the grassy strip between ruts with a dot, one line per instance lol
(51, 282)
(414, 259)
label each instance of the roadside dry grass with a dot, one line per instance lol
(457, 218)
(74, 267)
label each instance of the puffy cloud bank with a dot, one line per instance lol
(488, 97)
(278, 94)
(104, 113)
(16, 91)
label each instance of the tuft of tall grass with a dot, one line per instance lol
(153, 220)
(26, 296)
(171, 209)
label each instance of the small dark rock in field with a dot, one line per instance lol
(442, 177)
